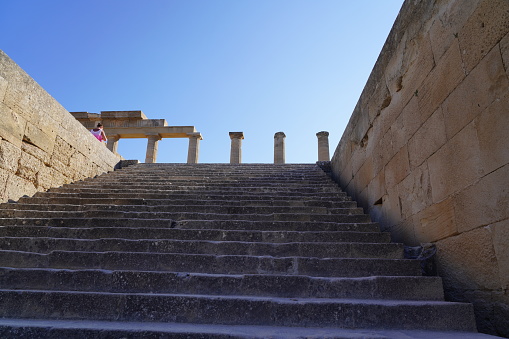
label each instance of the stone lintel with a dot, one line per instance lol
(142, 132)
(236, 135)
(131, 115)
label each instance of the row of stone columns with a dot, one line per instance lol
(279, 147)
(152, 143)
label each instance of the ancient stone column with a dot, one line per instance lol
(323, 146)
(194, 147)
(236, 148)
(279, 148)
(113, 142)
(151, 156)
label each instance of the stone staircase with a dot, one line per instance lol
(211, 251)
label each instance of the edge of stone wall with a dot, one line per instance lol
(41, 144)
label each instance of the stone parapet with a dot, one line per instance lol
(426, 148)
(41, 144)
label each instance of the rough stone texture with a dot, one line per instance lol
(41, 144)
(426, 151)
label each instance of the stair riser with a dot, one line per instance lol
(318, 250)
(212, 264)
(215, 209)
(338, 218)
(415, 288)
(216, 310)
(193, 224)
(180, 202)
(180, 234)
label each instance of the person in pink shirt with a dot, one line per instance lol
(98, 132)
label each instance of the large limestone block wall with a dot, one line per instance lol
(426, 150)
(41, 144)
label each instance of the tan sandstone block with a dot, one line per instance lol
(427, 140)
(486, 83)
(3, 88)
(4, 175)
(62, 151)
(493, 133)
(12, 126)
(407, 123)
(456, 165)
(376, 189)
(468, 261)
(397, 168)
(415, 191)
(9, 156)
(504, 49)
(447, 23)
(485, 27)
(391, 207)
(485, 202)
(365, 173)
(500, 241)
(36, 152)
(436, 222)
(28, 167)
(39, 138)
(441, 81)
(17, 187)
(44, 178)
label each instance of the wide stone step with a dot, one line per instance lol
(182, 201)
(112, 214)
(205, 189)
(194, 224)
(297, 286)
(192, 195)
(7, 210)
(190, 234)
(303, 249)
(74, 329)
(217, 264)
(238, 310)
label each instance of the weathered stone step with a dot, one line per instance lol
(203, 263)
(193, 224)
(182, 201)
(192, 195)
(7, 210)
(205, 189)
(298, 286)
(111, 214)
(308, 312)
(297, 249)
(78, 329)
(190, 234)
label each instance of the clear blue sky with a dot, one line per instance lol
(256, 66)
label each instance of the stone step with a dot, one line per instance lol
(192, 195)
(191, 234)
(238, 310)
(7, 210)
(194, 224)
(302, 249)
(78, 329)
(288, 286)
(178, 216)
(204, 263)
(182, 201)
(205, 189)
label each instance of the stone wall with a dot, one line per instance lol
(426, 150)
(41, 144)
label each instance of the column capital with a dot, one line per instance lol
(153, 136)
(236, 135)
(196, 135)
(322, 134)
(279, 135)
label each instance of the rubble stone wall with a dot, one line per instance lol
(426, 151)
(41, 144)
